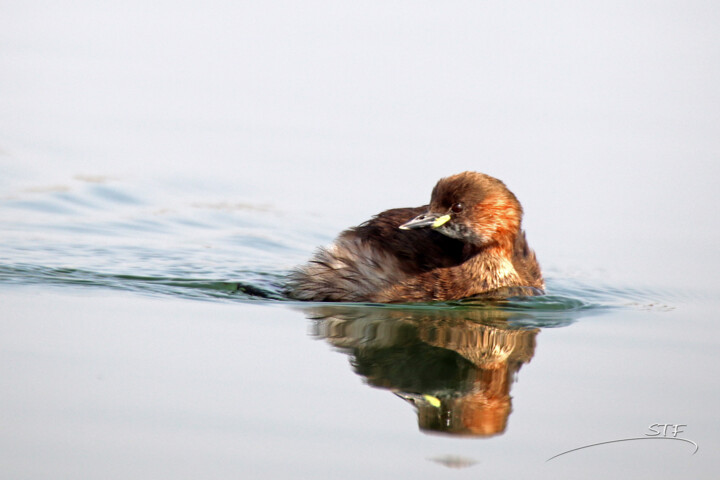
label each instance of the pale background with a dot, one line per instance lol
(225, 140)
(603, 117)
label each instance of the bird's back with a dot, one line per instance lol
(378, 262)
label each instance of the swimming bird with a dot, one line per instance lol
(466, 242)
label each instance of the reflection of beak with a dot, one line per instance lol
(417, 399)
(432, 220)
(412, 398)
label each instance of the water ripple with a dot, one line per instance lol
(253, 287)
(109, 234)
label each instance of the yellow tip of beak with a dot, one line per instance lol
(434, 401)
(441, 221)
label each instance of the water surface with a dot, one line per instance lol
(162, 168)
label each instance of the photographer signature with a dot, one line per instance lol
(657, 431)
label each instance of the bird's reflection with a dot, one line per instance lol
(455, 366)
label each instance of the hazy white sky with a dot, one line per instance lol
(603, 117)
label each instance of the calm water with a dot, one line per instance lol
(163, 167)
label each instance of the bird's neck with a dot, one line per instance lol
(492, 268)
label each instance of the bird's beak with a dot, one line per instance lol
(432, 220)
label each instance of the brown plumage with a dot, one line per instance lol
(468, 241)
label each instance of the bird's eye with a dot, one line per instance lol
(457, 207)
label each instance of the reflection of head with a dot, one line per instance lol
(454, 366)
(480, 412)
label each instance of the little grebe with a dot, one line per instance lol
(467, 242)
